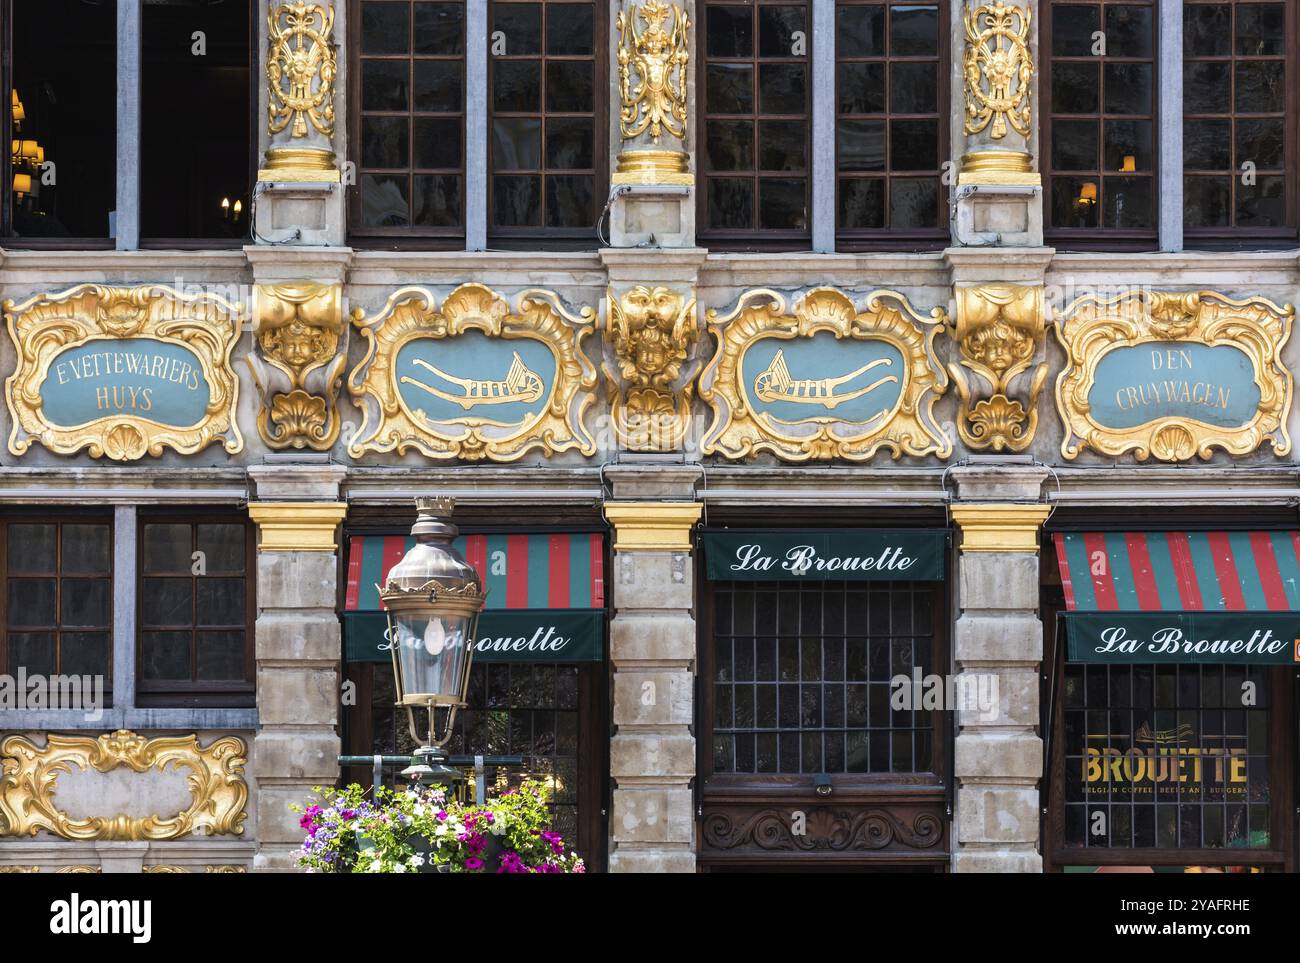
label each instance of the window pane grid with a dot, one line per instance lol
(802, 677)
(1165, 756)
(58, 598)
(545, 93)
(890, 132)
(1235, 66)
(412, 118)
(754, 166)
(1100, 136)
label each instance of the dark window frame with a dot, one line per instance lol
(556, 237)
(226, 694)
(888, 237)
(755, 238)
(1098, 237)
(59, 520)
(1285, 235)
(414, 236)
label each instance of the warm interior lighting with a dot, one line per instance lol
(1088, 193)
(22, 184)
(1130, 164)
(239, 209)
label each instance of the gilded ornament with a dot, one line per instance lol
(298, 365)
(656, 99)
(301, 66)
(651, 330)
(1092, 329)
(825, 428)
(202, 327)
(29, 781)
(999, 330)
(998, 68)
(496, 406)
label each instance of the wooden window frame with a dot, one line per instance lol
(59, 520)
(438, 238)
(1287, 234)
(756, 238)
(558, 237)
(1099, 237)
(890, 238)
(197, 694)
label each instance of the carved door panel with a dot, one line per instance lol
(805, 762)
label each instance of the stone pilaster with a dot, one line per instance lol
(998, 758)
(652, 650)
(298, 647)
(300, 198)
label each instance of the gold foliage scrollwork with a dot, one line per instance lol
(412, 313)
(1092, 327)
(652, 330)
(656, 99)
(999, 68)
(301, 66)
(45, 326)
(298, 367)
(999, 330)
(29, 779)
(738, 430)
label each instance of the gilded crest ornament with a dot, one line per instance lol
(123, 372)
(301, 66)
(652, 330)
(825, 380)
(473, 378)
(298, 365)
(655, 100)
(29, 780)
(999, 330)
(1145, 373)
(998, 68)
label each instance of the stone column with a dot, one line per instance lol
(998, 639)
(652, 651)
(652, 123)
(995, 122)
(298, 647)
(300, 197)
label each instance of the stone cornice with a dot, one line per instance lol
(297, 526)
(1000, 528)
(653, 526)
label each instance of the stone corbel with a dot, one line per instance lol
(651, 331)
(1000, 330)
(298, 361)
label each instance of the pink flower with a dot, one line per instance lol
(473, 863)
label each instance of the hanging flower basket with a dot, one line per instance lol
(418, 831)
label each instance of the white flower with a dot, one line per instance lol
(416, 860)
(399, 868)
(442, 830)
(420, 809)
(498, 825)
(374, 866)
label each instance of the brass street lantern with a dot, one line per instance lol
(433, 598)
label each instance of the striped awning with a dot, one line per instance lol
(1180, 571)
(532, 571)
(1194, 597)
(545, 601)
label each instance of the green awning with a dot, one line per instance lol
(504, 635)
(863, 554)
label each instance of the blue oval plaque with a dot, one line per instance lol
(823, 378)
(143, 377)
(1137, 385)
(472, 377)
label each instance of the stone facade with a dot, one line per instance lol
(304, 501)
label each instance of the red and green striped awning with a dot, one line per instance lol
(545, 602)
(532, 571)
(1180, 571)
(1207, 597)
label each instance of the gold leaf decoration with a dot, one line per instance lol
(998, 68)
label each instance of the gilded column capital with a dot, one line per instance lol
(652, 91)
(1011, 527)
(653, 526)
(297, 526)
(998, 70)
(651, 330)
(297, 363)
(301, 70)
(999, 330)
